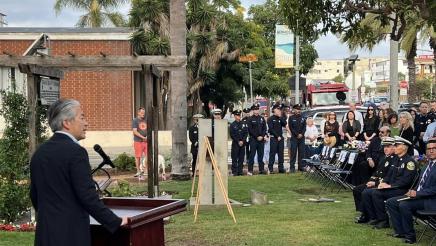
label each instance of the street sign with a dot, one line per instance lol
(248, 58)
(49, 91)
(403, 92)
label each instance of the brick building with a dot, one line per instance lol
(107, 97)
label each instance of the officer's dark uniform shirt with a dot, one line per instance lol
(422, 121)
(383, 167)
(297, 125)
(275, 126)
(256, 126)
(238, 131)
(402, 175)
(193, 136)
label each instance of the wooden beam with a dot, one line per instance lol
(41, 71)
(96, 63)
(31, 100)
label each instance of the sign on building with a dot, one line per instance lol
(284, 49)
(49, 90)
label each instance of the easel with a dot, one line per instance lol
(200, 167)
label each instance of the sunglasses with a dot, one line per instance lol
(382, 132)
(370, 109)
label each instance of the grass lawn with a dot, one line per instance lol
(287, 221)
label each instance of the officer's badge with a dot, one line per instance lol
(410, 166)
(386, 164)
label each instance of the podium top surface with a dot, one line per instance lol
(142, 210)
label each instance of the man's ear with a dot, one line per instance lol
(66, 124)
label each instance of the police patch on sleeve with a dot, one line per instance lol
(410, 166)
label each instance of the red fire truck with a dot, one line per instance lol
(325, 94)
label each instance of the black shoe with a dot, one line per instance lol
(373, 222)
(396, 235)
(262, 173)
(292, 171)
(282, 171)
(410, 240)
(382, 224)
(361, 220)
(271, 172)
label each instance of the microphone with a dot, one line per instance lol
(103, 155)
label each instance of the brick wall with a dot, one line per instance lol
(106, 97)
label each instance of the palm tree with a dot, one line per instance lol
(99, 13)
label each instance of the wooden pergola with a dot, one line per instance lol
(54, 67)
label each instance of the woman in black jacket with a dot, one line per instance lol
(371, 124)
(351, 127)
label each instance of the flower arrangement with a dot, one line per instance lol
(421, 161)
(361, 146)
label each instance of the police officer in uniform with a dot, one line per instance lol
(238, 133)
(384, 165)
(297, 126)
(399, 179)
(422, 120)
(421, 197)
(193, 137)
(247, 114)
(257, 130)
(275, 127)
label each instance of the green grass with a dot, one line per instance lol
(287, 221)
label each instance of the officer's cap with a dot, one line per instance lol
(197, 116)
(297, 106)
(246, 110)
(255, 106)
(388, 141)
(400, 140)
(237, 112)
(217, 111)
(277, 106)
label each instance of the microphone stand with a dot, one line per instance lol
(100, 167)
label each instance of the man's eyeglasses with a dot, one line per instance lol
(382, 132)
(431, 149)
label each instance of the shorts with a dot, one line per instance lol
(140, 147)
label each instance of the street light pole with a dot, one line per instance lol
(297, 69)
(251, 83)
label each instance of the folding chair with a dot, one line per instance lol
(341, 174)
(429, 220)
(327, 168)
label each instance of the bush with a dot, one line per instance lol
(14, 159)
(124, 162)
(123, 190)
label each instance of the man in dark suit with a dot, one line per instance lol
(193, 137)
(62, 190)
(401, 209)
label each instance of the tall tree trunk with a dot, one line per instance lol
(432, 43)
(411, 66)
(180, 170)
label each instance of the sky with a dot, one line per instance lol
(40, 13)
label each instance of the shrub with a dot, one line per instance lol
(124, 162)
(123, 190)
(14, 171)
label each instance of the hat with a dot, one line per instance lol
(388, 141)
(197, 116)
(255, 106)
(237, 112)
(277, 106)
(246, 110)
(285, 105)
(217, 111)
(330, 141)
(400, 140)
(297, 106)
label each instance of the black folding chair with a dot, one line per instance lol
(429, 220)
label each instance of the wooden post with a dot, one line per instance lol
(155, 126)
(148, 80)
(32, 81)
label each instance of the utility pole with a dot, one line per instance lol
(250, 58)
(251, 82)
(393, 74)
(297, 69)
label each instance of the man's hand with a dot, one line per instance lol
(260, 138)
(411, 193)
(124, 220)
(279, 138)
(370, 184)
(299, 136)
(371, 163)
(384, 186)
(241, 143)
(144, 139)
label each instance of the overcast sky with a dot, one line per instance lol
(40, 13)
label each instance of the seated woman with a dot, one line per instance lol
(351, 127)
(407, 129)
(331, 131)
(394, 125)
(310, 136)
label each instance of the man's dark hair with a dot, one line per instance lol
(141, 108)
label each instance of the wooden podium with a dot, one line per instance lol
(145, 227)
